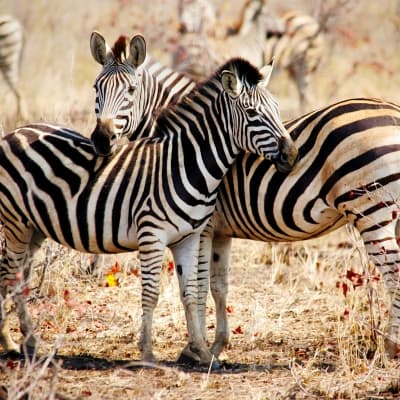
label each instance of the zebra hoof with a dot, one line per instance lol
(193, 357)
(392, 348)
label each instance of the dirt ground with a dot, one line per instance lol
(294, 334)
(305, 319)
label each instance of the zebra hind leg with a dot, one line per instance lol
(14, 272)
(220, 258)
(381, 243)
(151, 259)
(186, 256)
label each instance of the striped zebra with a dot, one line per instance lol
(295, 41)
(193, 55)
(157, 87)
(348, 172)
(152, 193)
(11, 44)
(255, 201)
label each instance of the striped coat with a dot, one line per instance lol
(156, 192)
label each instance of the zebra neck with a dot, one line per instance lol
(202, 144)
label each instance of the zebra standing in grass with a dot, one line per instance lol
(347, 163)
(152, 193)
(11, 44)
(344, 149)
(348, 172)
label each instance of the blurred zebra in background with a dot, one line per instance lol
(295, 41)
(152, 193)
(11, 46)
(194, 54)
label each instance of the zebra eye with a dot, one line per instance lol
(251, 112)
(131, 89)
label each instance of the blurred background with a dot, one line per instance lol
(361, 54)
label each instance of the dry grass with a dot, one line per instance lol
(296, 335)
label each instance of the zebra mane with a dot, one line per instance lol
(248, 74)
(119, 48)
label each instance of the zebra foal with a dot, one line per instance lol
(149, 194)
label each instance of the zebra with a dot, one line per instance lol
(158, 87)
(295, 41)
(197, 23)
(254, 201)
(151, 193)
(347, 173)
(11, 45)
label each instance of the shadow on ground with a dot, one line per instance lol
(88, 362)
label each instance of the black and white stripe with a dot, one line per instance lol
(128, 90)
(348, 172)
(149, 194)
(11, 45)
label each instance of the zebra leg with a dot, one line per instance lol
(12, 82)
(382, 247)
(14, 273)
(221, 251)
(299, 72)
(151, 258)
(186, 256)
(203, 275)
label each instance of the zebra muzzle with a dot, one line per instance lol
(103, 137)
(288, 156)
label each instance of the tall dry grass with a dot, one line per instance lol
(295, 334)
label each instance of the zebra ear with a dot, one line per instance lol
(137, 51)
(266, 72)
(101, 52)
(231, 83)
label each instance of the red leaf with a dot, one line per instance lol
(25, 291)
(11, 364)
(229, 309)
(345, 289)
(115, 269)
(70, 329)
(170, 267)
(238, 330)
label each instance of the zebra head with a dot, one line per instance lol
(255, 115)
(118, 89)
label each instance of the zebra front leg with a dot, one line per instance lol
(151, 256)
(221, 250)
(203, 276)
(383, 250)
(186, 256)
